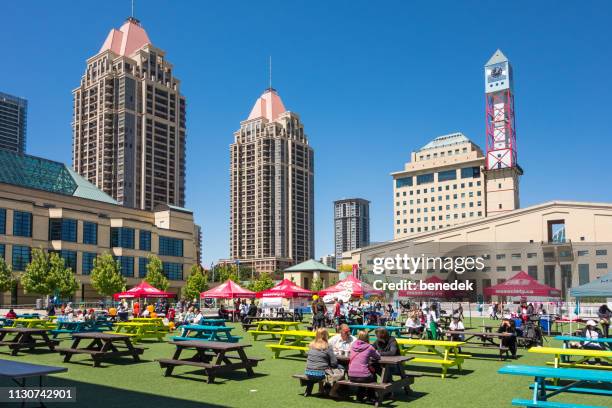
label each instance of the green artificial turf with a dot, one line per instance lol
(128, 384)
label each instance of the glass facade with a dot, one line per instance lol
(447, 175)
(470, 172)
(403, 182)
(2, 221)
(2, 251)
(126, 264)
(22, 223)
(144, 243)
(62, 229)
(173, 271)
(21, 257)
(170, 246)
(122, 237)
(90, 233)
(425, 178)
(142, 266)
(583, 274)
(87, 263)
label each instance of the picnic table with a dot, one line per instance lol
(202, 332)
(438, 352)
(562, 357)
(103, 346)
(606, 342)
(542, 390)
(74, 327)
(396, 330)
(19, 372)
(273, 328)
(139, 331)
(212, 322)
(30, 323)
(212, 356)
(26, 338)
(484, 339)
(296, 340)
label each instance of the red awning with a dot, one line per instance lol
(286, 289)
(522, 284)
(143, 290)
(435, 293)
(228, 290)
(352, 285)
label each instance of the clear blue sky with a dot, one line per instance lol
(372, 81)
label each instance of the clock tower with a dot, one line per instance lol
(502, 171)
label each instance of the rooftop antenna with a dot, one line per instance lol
(132, 15)
(270, 72)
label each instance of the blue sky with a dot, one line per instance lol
(372, 81)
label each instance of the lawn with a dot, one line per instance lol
(142, 384)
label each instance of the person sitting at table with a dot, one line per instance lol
(188, 316)
(507, 326)
(136, 309)
(320, 356)
(223, 313)
(197, 319)
(342, 341)
(591, 332)
(605, 315)
(360, 370)
(11, 314)
(432, 322)
(456, 325)
(413, 323)
(80, 316)
(385, 344)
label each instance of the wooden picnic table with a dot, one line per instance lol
(202, 332)
(449, 356)
(103, 346)
(296, 340)
(26, 338)
(606, 342)
(371, 327)
(485, 339)
(562, 356)
(139, 331)
(273, 328)
(212, 356)
(542, 390)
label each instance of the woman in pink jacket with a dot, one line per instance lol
(360, 369)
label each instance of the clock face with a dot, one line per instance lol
(497, 72)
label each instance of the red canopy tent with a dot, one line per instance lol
(353, 285)
(143, 290)
(228, 290)
(285, 289)
(425, 293)
(522, 284)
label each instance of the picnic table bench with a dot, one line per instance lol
(26, 338)
(562, 356)
(542, 390)
(212, 356)
(481, 339)
(139, 331)
(202, 332)
(103, 346)
(606, 342)
(296, 340)
(157, 321)
(449, 356)
(273, 328)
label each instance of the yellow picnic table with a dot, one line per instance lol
(31, 323)
(562, 354)
(440, 352)
(273, 327)
(158, 321)
(138, 331)
(292, 340)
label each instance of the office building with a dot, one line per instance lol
(271, 188)
(351, 225)
(13, 121)
(329, 260)
(129, 122)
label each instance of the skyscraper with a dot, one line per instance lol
(13, 119)
(351, 225)
(129, 122)
(271, 188)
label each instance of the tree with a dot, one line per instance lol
(225, 272)
(7, 279)
(317, 284)
(264, 281)
(155, 273)
(106, 276)
(197, 282)
(47, 274)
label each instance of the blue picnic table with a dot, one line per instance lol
(212, 322)
(210, 333)
(606, 342)
(70, 327)
(394, 330)
(543, 390)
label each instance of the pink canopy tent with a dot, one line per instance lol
(351, 285)
(522, 284)
(425, 293)
(228, 290)
(143, 290)
(285, 289)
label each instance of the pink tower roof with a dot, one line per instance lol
(128, 39)
(269, 105)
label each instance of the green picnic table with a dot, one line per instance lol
(210, 333)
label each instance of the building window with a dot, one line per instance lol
(173, 271)
(516, 256)
(447, 175)
(549, 275)
(87, 263)
(556, 231)
(2, 221)
(22, 224)
(21, 257)
(126, 265)
(532, 270)
(122, 237)
(501, 269)
(470, 172)
(602, 265)
(62, 229)
(145, 240)
(500, 256)
(516, 268)
(583, 253)
(70, 259)
(2, 250)
(142, 266)
(90, 233)
(170, 246)
(583, 274)
(601, 252)
(532, 255)
(403, 182)
(425, 178)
